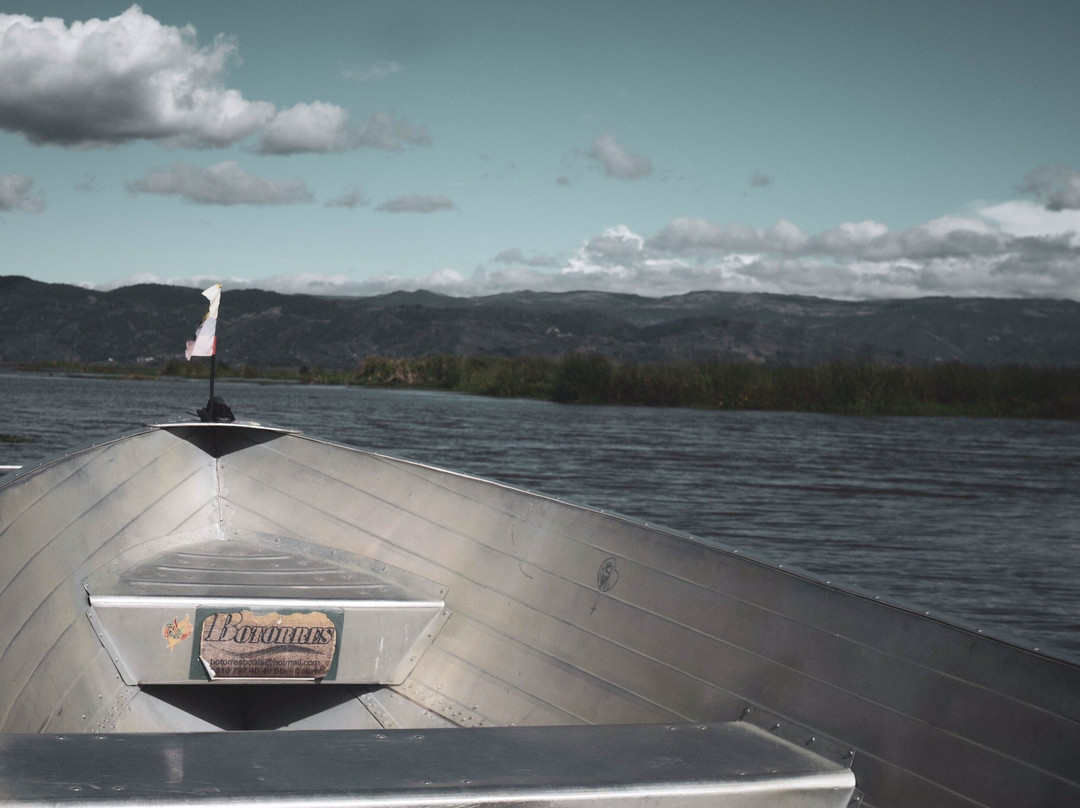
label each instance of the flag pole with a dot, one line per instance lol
(205, 344)
(213, 367)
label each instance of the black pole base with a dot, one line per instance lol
(216, 411)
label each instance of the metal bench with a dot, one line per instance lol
(258, 607)
(734, 765)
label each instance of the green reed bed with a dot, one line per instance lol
(836, 387)
(864, 388)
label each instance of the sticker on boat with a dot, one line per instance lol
(177, 631)
(246, 644)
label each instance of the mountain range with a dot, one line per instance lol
(41, 322)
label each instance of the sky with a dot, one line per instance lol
(851, 150)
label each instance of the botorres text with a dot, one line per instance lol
(265, 645)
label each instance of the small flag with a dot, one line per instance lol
(205, 342)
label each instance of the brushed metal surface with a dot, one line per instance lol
(561, 614)
(59, 522)
(389, 617)
(729, 766)
(394, 711)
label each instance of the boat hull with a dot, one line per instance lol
(558, 615)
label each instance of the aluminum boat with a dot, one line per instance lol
(211, 613)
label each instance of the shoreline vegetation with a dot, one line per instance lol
(846, 388)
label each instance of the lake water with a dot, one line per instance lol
(977, 520)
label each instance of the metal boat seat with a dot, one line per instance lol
(733, 765)
(260, 608)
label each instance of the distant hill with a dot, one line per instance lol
(150, 323)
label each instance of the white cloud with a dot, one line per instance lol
(615, 249)
(17, 193)
(1023, 218)
(1013, 249)
(515, 256)
(444, 279)
(866, 240)
(944, 225)
(324, 128)
(958, 256)
(221, 184)
(316, 127)
(859, 232)
(354, 197)
(947, 256)
(104, 82)
(954, 256)
(692, 236)
(617, 161)
(416, 203)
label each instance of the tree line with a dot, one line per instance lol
(857, 387)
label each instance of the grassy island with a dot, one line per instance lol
(863, 388)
